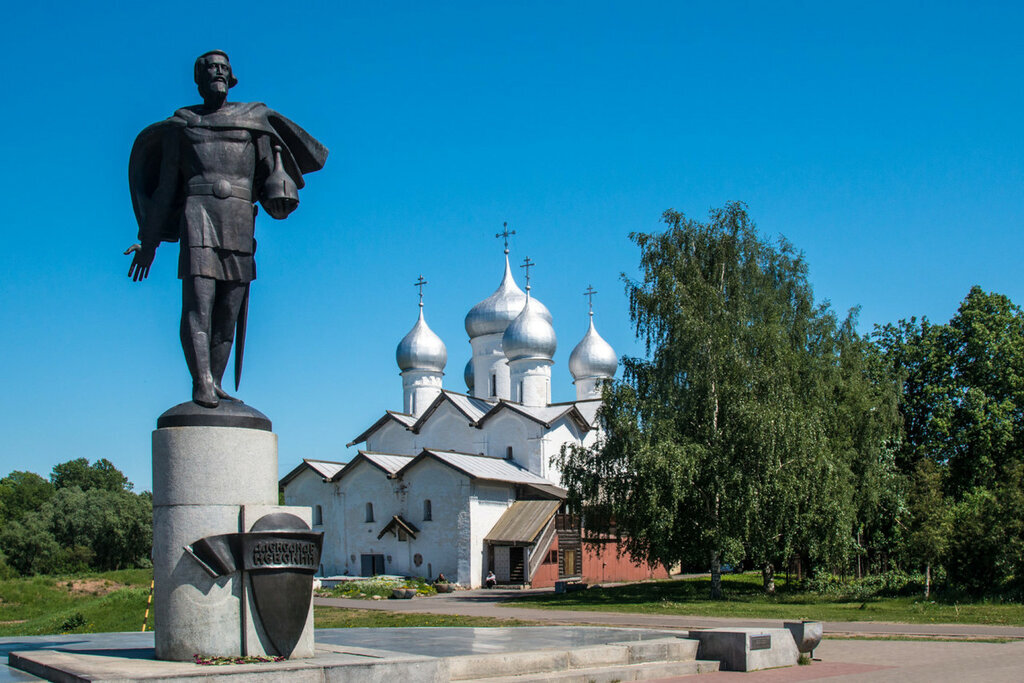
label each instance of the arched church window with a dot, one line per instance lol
(494, 385)
(508, 453)
(369, 512)
(318, 516)
(428, 513)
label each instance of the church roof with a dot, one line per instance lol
(477, 466)
(389, 463)
(325, 468)
(523, 522)
(543, 415)
(588, 409)
(479, 410)
(403, 419)
(396, 522)
(473, 408)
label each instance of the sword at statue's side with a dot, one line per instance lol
(243, 316)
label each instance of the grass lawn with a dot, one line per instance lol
(116, 601)
(84, 603)
(745, 598)
(338, 617)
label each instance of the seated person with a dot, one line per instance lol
(491, 580)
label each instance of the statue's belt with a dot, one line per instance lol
(221, 189)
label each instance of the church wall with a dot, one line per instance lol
(562, 431)
(444, 540)
(488, 504)
(309, 489)
(391, 438)
(511, 429)
(448, 429)
(363, 484)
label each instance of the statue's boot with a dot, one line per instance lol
(223, 395)
(205, 395)
(219, 354)
(204, 390)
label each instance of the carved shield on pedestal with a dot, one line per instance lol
(281, 554)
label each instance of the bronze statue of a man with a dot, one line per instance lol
(196, 178)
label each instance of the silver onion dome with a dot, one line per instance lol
(496, 312)
(592, 357)
(421, 349)
(530, 335)
(469, 374)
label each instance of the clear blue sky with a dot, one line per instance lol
(883, 139)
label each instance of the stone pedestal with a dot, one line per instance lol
(214, 472)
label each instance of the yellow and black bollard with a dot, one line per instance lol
(149, 601)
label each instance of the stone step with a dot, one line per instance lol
(547, 662)
(611, 674)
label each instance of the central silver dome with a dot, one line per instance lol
(530, 335)
(592, 357)
(421, 349)
(496, 312)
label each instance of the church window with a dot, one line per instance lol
(520, 392)
(508, 452)
(318, 516)
(494, 385)
(369, 512)
(428, 513)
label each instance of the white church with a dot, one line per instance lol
(464, 483)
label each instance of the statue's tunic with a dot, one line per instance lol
(217, 228)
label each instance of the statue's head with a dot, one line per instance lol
(213, 73)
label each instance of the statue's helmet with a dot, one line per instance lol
(201, 61)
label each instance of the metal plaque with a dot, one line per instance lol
(761, 642)
(279, 554)
(297, 551)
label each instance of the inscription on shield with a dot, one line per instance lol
(281, 554)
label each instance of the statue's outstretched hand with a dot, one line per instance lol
(143, 259)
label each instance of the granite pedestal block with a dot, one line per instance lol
(214, 472)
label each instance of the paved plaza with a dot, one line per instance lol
(837, 660)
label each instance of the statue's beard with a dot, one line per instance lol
(214, 89)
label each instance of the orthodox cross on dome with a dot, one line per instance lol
(506, 233)
(527, 263)
(590, 298)
(419, 283)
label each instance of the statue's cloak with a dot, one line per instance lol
(160, 220)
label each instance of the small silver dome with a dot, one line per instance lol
(592, 357)
(469, 374)
(421, 349)
(530, 335)
(496, 312)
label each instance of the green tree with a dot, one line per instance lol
(29, 546)
(715, 444)
(100, 475)
(22, 492)
(114, 525)
(928, 519)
